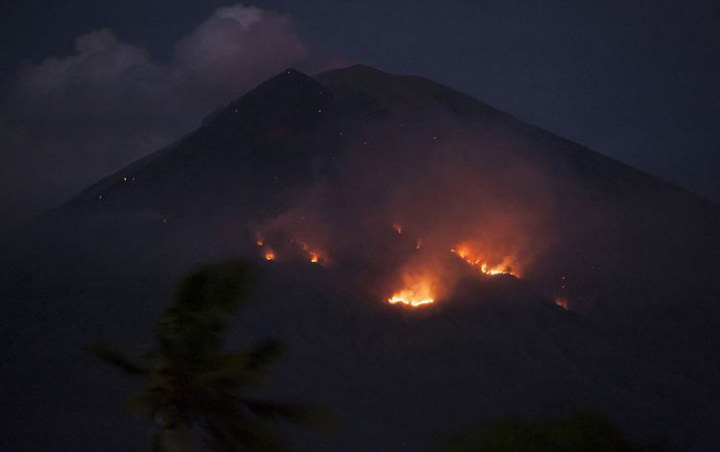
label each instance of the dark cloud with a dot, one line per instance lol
(70, 120)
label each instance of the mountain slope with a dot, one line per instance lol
(380, 175)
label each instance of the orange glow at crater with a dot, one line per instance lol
(269, 255)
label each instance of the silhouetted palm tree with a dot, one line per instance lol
(194, 387)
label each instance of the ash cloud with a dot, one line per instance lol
(69, 120)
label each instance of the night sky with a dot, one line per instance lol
(91, 85)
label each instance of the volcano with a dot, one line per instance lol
(430, 262)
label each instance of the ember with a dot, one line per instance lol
(562, 302)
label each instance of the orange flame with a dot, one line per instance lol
(312, 255)
(562, 302)
(418, 291)
(398, 227)
(269, 255)
(481, 263)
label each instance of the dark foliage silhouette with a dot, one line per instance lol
(586, 431)
(194, 388)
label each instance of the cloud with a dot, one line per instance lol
(70, 120)
(235, 35)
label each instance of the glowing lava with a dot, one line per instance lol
(481, 264)
(417, 292)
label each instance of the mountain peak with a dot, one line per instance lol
(356, 69)
(400, 92)
(289, 92)
(289, 79)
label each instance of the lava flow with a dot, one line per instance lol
(417, 291)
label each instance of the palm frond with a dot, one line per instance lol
(232, 370)
(145, 403)
(207, 299)
(297, 413)
(117, 359)
(220, 286)
(239, 433)
(265, 353)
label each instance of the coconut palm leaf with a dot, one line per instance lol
(117, 359)
(237, 434)
(296, 413)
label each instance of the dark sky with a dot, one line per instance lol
(636, 80)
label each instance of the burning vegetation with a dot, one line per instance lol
(414, 214)
(418, 290)
(289, 248)
(425, 274)
(481, 263)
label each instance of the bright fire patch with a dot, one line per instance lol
(269, 255)
(481, 264)
(312, 255)
(415, 293)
